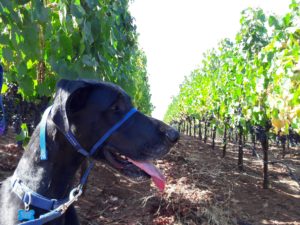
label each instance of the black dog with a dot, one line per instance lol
(91, 108)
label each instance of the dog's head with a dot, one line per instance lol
(92, 108)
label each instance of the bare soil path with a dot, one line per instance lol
(202, 188)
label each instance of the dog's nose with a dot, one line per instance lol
(172, 135)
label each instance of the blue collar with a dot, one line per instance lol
(56, 208)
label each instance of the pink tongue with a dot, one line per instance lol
(157, 177)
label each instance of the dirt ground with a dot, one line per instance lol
(202, 188)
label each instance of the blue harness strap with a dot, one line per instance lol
(2, 112)
(30, 197)
(112, 130)
(43, 131)
(83, 179)
(71, 138)
(52, 215)
(55, 207)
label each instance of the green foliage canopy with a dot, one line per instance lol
(253, 79)
(44, 40)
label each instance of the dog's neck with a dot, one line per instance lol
(52, 178)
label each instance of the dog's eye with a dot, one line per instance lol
(115, 108)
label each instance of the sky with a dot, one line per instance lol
(175, 33)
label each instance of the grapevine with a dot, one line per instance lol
(44, 41)
(249, 85)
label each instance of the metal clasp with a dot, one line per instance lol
(73, 197)
(27, 204)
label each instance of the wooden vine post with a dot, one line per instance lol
(200, 130)
(241, 152)
(225, 137)
(265, 147)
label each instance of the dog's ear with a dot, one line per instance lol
(66, 92)
(77, 100)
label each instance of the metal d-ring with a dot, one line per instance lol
(27, 204)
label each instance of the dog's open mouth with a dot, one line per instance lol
(136, 171)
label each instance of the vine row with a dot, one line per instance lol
(250, 85)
